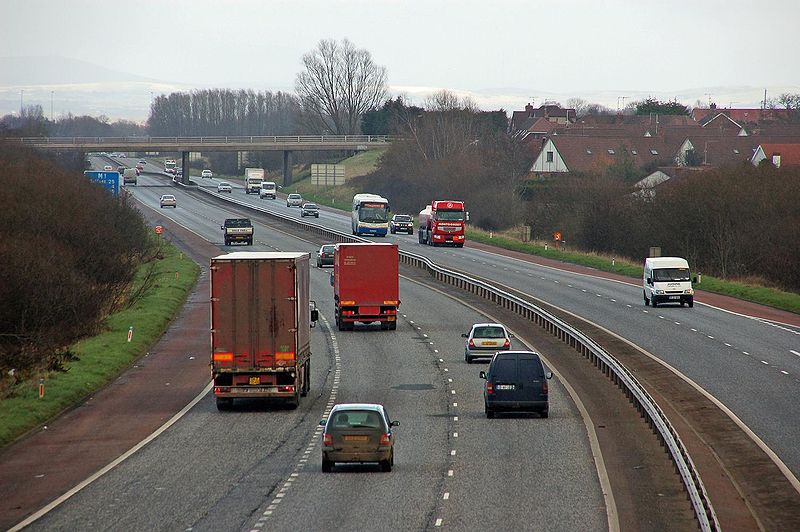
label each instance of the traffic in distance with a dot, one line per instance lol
(274, 361)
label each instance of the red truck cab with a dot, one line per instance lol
(366, 284)
(442, 223)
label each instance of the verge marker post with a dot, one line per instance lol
(130, 333)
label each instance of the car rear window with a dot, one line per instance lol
(357, 419)
(489, 332)
(504, 368)
(237, 222)
(530, 368)
(402, 218)
(328, 249)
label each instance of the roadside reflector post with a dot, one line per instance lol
(130, 333)
(613, 261)
(176, 274)
(41, 388)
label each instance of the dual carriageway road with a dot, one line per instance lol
(209, 471)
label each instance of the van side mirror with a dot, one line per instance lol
(649, 280)
(222, 227)
(694, 279)
(482, 375)
(466, 216)
(548, 375)
(394, 424)
(511, 335)
(323, 422)
(464, 335)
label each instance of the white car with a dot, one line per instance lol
(108, 168)
(484, 340)
(294, 200)
(224, 186)
(206, 173)
(168, 200)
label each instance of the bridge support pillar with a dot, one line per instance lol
(287, 168)
(185, 166)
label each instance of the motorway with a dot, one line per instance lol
(752, 366)
(748, 364)
(259, 466)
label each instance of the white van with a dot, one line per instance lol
(268, 190)
(667, 280)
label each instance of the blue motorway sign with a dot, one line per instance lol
(109, 180)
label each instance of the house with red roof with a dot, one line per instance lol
(780, 155)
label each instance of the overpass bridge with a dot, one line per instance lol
(185, 145)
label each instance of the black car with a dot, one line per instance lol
(325, 255)
(309, 209)
(516, 381)
(401, 223)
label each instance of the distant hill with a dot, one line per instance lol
(55, 70)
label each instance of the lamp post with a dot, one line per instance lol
(20, 102)
(51, 105)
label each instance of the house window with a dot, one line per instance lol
(549, 157)
(634, 152)
(610, 151)
(654, 152)
(588, 151)
(736, 151)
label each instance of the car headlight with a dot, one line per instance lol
(688, 291)
(660, 292)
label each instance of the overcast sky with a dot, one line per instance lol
(566, 46)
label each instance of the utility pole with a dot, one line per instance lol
(708, 94)
(51, 105)
(20, 102)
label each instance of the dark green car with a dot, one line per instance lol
(358, 433)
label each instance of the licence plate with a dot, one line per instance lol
(505, 386)
(355, 438)
(489, 343)
(674, 297)
(255, 380)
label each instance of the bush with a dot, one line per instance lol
(69, 252)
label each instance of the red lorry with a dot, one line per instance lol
(442, 222)
(261, 319)
(366, 285)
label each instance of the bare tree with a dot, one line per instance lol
(579, 104)
(339, 84)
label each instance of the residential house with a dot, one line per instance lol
(568, 153)
(780, 155)
(521, 121)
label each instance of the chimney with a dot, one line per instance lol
(713, 106)
(529, 110)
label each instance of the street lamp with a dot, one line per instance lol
(20, 102)
(51, 105)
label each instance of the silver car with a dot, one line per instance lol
(224, 186)
(484, 340)
(294, 200)
(168, 200)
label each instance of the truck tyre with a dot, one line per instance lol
(327, 465)
(392, 325)
(250, 242)
(653, 302)
(294, 402)
(460, 245)
(306, 379)
(646, 301)
(691, 302)
(224, 403)
(419, 236)
(227, 242)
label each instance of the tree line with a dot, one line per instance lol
(64, 268)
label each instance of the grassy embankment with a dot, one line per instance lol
(103, 357)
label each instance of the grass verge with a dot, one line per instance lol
(103, 357)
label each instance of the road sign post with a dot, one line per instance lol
(109, 180)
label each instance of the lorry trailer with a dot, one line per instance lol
(261, 320)
(366, 284)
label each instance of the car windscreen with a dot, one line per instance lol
(237, 222)
(671, 274)
(364, 419)
(402, 218)
(294, 196)
(310, 206)
(488, 332)
(504, 368)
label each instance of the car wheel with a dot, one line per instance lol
(489, 411)
(467, 358)
(545, 412)
(224, 403)
(386, 466)
(162, 206)
(327, 465)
